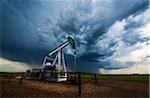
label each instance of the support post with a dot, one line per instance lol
(10, 77)
(75, 77)
(21, 79)
(79, 83)
(7, 75)
(64, 64)
(59, 60)
(95, 77)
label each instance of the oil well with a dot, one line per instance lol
(54, 66)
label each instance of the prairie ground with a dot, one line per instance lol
(103, 89)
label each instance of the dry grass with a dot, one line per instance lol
(104, 88)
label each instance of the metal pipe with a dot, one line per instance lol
(58, 48)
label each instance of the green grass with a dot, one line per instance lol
(139, 78)
(126, 78)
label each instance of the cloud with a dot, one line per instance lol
(12, 66)
(136, 69)
(39, 26)
(88, 24)
(131, 43)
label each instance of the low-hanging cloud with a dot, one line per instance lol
(41, 25)
(12, 66)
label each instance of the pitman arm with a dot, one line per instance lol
(63, 45)
(58, 48)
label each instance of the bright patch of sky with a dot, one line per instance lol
(12, 66)
(137, 52)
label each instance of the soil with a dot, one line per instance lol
(89, 89)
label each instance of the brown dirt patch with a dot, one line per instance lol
(104, 89)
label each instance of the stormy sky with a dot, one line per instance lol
(112, 36)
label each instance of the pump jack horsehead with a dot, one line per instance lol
(54, 66)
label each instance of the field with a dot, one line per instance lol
(107, 86)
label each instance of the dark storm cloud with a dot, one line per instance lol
(31, 28)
